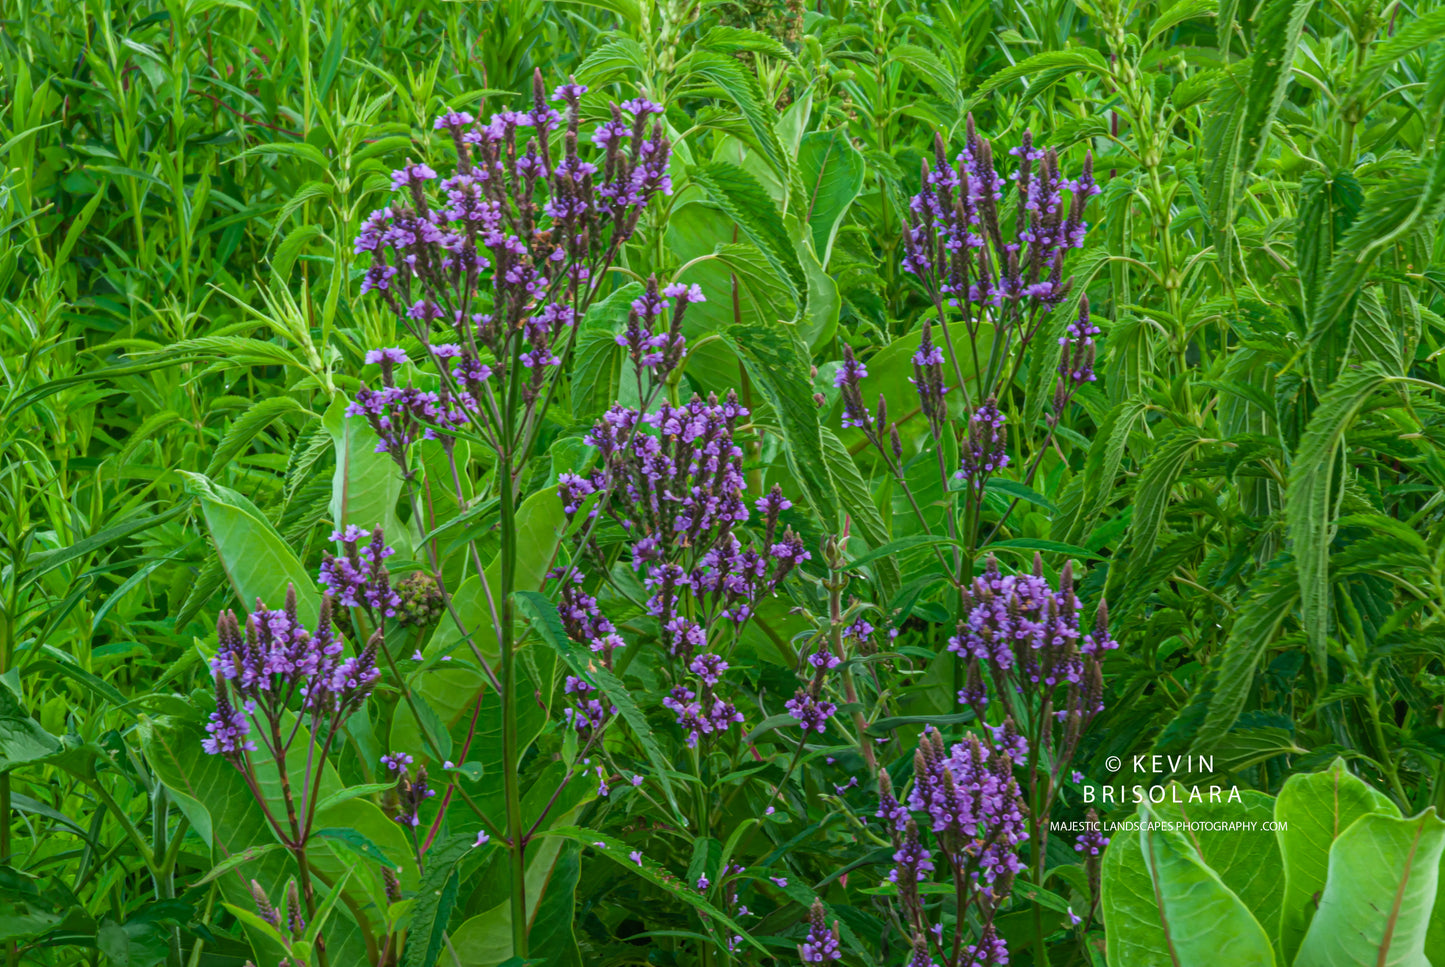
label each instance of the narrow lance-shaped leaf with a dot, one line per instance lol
(545, 620)
(1313, 485)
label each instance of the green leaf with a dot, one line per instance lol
(1037, 544)
(731, 40)
(1076, 60)
(1383, 875)
(1165, 906)
(1410, 200)
(832, 171)
(740, 86)
(1270, 599)
(545, 620)
(1243, 114)
(1242, 865)
(358, 843)
(618, 851)
(1386, 52)
(1314, 489)
(598, 361)
(1017, 491)
(259, 415)
(236, 860)
(778, 368)
(1178, 13)
(22, 739)
(257, 560)
(856, 501)
(1152, 492)
(740, 195)
(436, 897)
(1316, 809)
(366, 484)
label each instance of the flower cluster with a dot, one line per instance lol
(985, 447)
(956, 242)
(652, 343)
(1076, 359)
(1029, 637)
(673, 481)
(809, 706)
(586, 712)
(358, 579)
(1027, 640)
(968, 799)
(492, 267)
(410, 791)
(275, 660)
(820, 946)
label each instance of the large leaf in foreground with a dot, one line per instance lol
(1317, 808)
(1375, 909)
(1168, 896)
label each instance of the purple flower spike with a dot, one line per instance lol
(821, 944)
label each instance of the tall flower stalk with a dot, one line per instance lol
(490, 270)
(275, 680)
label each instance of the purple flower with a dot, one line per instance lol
(985, 448)
(848, 378)
(397, 762)
(635, 856)
(821, 944)
(276, 658)
(1091, 842)
(811, 713)
(358, 579)
(228, 727)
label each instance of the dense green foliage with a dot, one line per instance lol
(1255, 483)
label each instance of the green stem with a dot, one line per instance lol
(516, 832)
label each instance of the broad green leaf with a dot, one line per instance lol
(1317, 808)
(1375, 909)
(1163, 905)
(366, 484)
(832, 171)
(1244, 864)
(257, 561)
